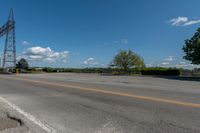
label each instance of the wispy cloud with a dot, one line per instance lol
(90, 61)
(121, 41)
(183, 21)
(124, 41)
(184, 64)
(169, 59)
(192, 22)
(178, 21)
(165, 63)
(26, 43)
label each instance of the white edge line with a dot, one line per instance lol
(30, 117)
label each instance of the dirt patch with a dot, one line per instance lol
(8, 122)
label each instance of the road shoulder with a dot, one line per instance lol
(12, 121)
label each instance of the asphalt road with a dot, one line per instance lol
(83, 103)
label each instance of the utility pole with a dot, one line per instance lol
(8, 29)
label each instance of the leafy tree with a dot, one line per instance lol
(22, 64)
(192, 48)
(127, 59)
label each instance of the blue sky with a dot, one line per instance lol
(88, 33)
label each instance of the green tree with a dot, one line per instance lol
(127, 59)
(192, 48)
(22, 64)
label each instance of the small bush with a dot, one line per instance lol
(161, 71)
(115, 73)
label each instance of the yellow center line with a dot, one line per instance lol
(148, 98)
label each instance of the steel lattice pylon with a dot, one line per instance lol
(8, 29)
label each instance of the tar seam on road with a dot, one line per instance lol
(30, 117)
(148, 98)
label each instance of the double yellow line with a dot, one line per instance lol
(147, 98)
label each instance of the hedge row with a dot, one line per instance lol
(112, 71)
(116, 71)
(78, 70)
(161, 71)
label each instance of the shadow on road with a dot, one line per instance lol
(180, 78)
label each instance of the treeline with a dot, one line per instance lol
(113, 71)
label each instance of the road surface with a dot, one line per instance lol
(89, 103)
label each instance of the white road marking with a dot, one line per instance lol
(30, 117)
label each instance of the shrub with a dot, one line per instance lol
(161, 71)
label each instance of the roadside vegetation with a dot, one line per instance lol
(192, 48)
(120, 65)
(116, 71)
(125, 60)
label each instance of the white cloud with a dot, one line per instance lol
(44, 54)
(165, 63)
(184, 64)
(25, 43)
(183, 21)
(192, 22)
(38, 51)
(170, 59)
(149, 65)
(90, 61)
(178, 21)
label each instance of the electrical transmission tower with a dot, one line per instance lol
(8, 29)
